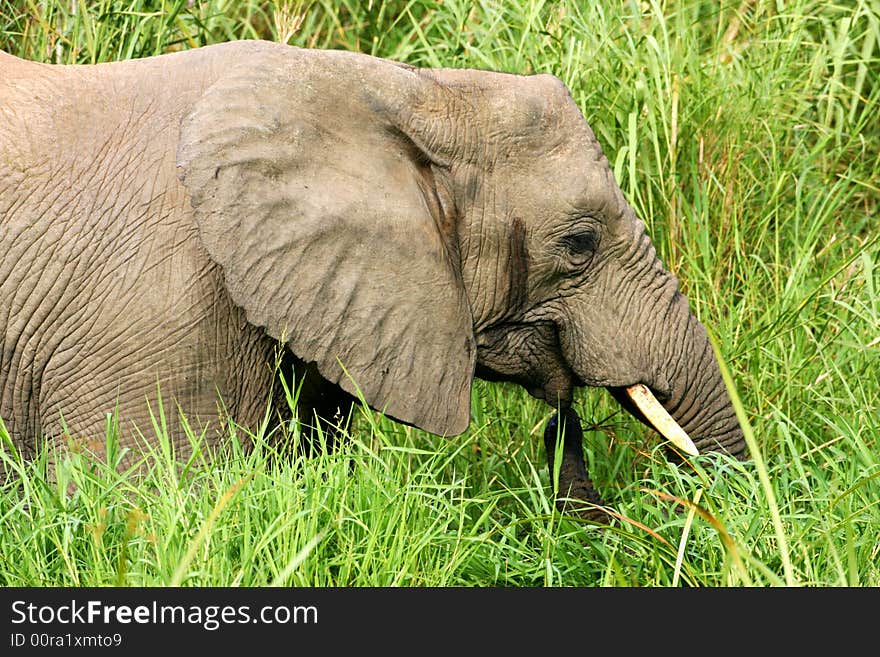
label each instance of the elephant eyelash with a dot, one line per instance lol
(581, 243)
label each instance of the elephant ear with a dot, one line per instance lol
(323, 216)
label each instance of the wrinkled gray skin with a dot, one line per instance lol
(167, 221)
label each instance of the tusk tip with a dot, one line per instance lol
(659, 417)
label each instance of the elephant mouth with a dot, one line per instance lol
(641, 402)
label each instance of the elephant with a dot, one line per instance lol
(180, 225)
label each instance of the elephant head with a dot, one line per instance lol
(405, 229)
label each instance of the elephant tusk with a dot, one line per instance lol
(658, 416)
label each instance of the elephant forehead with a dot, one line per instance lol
(560, 184)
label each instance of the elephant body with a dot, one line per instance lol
(183, 224)
(108, 297)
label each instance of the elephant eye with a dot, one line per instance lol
(581, 245)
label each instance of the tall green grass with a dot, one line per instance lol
(745, 134)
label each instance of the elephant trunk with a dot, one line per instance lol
(690, 389)
(702, 405)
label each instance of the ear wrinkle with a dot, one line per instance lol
(406, 128)
(444, 215)
(444, 222)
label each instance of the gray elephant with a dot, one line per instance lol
(166, 223)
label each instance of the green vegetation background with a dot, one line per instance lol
(744, 133)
